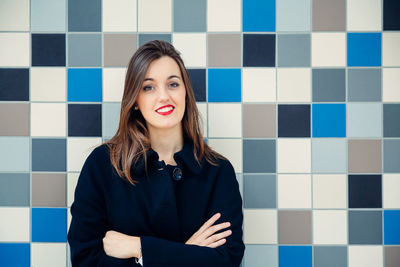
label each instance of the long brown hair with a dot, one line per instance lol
(131, 141)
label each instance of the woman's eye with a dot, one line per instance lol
(174, 84)
(147, 88)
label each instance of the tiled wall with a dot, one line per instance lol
(303, 96)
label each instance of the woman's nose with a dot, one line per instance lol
(163, 93)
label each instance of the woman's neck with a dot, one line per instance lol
(166, 143)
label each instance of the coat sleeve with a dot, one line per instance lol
(89, 222)
(225, 199)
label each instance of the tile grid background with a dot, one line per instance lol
(253, 257)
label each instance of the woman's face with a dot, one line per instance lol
(162, 96)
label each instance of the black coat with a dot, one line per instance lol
(163, 217)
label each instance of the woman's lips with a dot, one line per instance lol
(165, 110)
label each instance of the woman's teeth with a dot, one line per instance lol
(166, 109)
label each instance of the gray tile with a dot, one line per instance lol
(14, 189)
(118, 49)
(328, 85)
(190, 15)
(84, 16)
(48, 189)
(364, 84)
(294, 50)
(392, 256)
(327, 256)
(110, 118)
(224, 50)
(294, 227)
(259, 120)
(144, 37)
(84, 50)
(260, 256)
(14, 154)
(364, 156)
(391, 120)
(365, 227)
(14, 119)
(49, 154)
(329, 155)
(259, 191)
(391, 155)
(328, 15)
(259, 156)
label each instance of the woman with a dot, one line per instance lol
(155, 191)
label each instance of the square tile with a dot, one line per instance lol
(364, 120)
(15, 254)
(366, 256)
(145, 37)
(329, 155)
(391, 226)
(259, 120)
(329, 85)
(390, 51)
(119, 16)
(202, 108)
(259, 226)
(224, 50)
(391, 155)
(198, 82)
(294, 155)
(84, 119)
(49, 225)
(190, 15)
(14, 84)
(365, 156)
(192, 47)
(391, 114)
(224, 85)
(329, 256)
(72, 181)
(259, 85)
(49, 255)
(48, 189)
(14, 49)
(110, 118)
(259, 156)
(14, 15)
(294, 85)
(259, 191)
(329, 120)
(14, 189)
(78, 150)
(16, 221)
(260, 256)
(391, 9)
(329, 15)
(84, 85)
(113, 84)
(293, 15)
(231, 149)
(390, 87)
(328, 49)
(294, 191)
(258, 50)
(294, 50)
(392, 256)
(147, 13)
(84, 16)
(14, 154)
(329, 191)
(230, 21)
(259, 16)
(364, 84)
(48, 15)
(330, 227)
(14, 119)
(365, 227)
(364, 15)
(118, 49)
(49, 155)
(48, 119)
(364, 49)
(218, 116)
(294, 227)
(84, 50)
(391, 197)
(295, 256)
(294, 120)
(48, 50)
(48, 84)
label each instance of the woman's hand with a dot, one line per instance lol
(121, 246)
(205, 235)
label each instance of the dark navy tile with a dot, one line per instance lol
(391, 115)
(198, 80)
(259, 156)
(84, 16)
(327, 256)
(49, 155)
(365, 227)
(14, 84)
(294, 121)
(259, 50)
(391, 18)
(48, 49)
(365, 191)
(84, 120)
(146, 37)
(328, 85)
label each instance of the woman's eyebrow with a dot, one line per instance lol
(169, 77)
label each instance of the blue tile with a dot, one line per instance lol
(224, 85)
(49, 155)
(365, 227)
(327, 256)
(49, 225)
(84, 120)
(198, 81)
(295, 256)
(391, 125)
(259, 50)
(84, 85)
(259, 156)
(258, 15)
(84, 16)
(294, 120)
(190, 15)
(391, 227)
(364, 49)
(328, 85)
(14, 189)
(391, 155)
(329, 120)
(365, 191)
(391, 18)
(14, 84)
(15, 254)
(48, 49)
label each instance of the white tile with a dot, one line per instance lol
(328, 49)
(119, 15)
(364, 15)
(260, 226)
(231, 149)
(390, 48)
(69, 218)
(390, 192)
(329, 191)
(192, 47)
(48, 84)
(78, 149)
(294, 191)
(113, 84)
(294, 155)
(48, 119)
(330, 227)
(14, 225)
(224, 15)
(14, 15)
(365, 256)
(154, 15)
(14, 49)
(259, 85)
(391, 84)
(202, 107)
(49, 254)
(294, 85)
(72, 180)
(225, 120)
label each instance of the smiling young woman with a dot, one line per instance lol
(156, 191)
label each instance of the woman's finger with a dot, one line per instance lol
(210, 222)
(217, 244)
(217, 237)
(215, 228)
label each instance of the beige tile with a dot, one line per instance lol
(78, 150)
(49, 254)
(15, 49)
(14, 15)
(328, 49)
(231, 149)
(119, 15)
(330, 227)
(113, 84)
(329, 191)
(259, 85)
(294, 155)
(225, 120)
(294, 191)
(391, 84)
(48, 119)
(390, 191)
(260, 226)
(202, 107)
(14, 224)
(390, 49)
(364, 15)
(365, 256)
(192, 47)
(294, 85)
(48, 84)
(231, 19)
(151, 19)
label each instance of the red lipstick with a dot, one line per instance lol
(165, 112)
